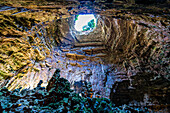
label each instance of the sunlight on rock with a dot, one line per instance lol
(86, 22)
(87, 56)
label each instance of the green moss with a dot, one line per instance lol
(59, 98)
(76, 18)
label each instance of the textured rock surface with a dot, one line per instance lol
(138, 46)
(59, 98)
(130, 40)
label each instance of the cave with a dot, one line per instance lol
(84, 56)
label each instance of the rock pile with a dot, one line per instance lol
(57, 98)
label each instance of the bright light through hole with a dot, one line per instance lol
(86, 22)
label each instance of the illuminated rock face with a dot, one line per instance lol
(121, 46)
(136, 44)
(90, 57)
(127, 43)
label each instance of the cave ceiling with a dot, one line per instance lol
(36, 37)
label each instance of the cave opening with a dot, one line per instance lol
(85, 23)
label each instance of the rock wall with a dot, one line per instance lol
(137, 45)
(130, 44)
